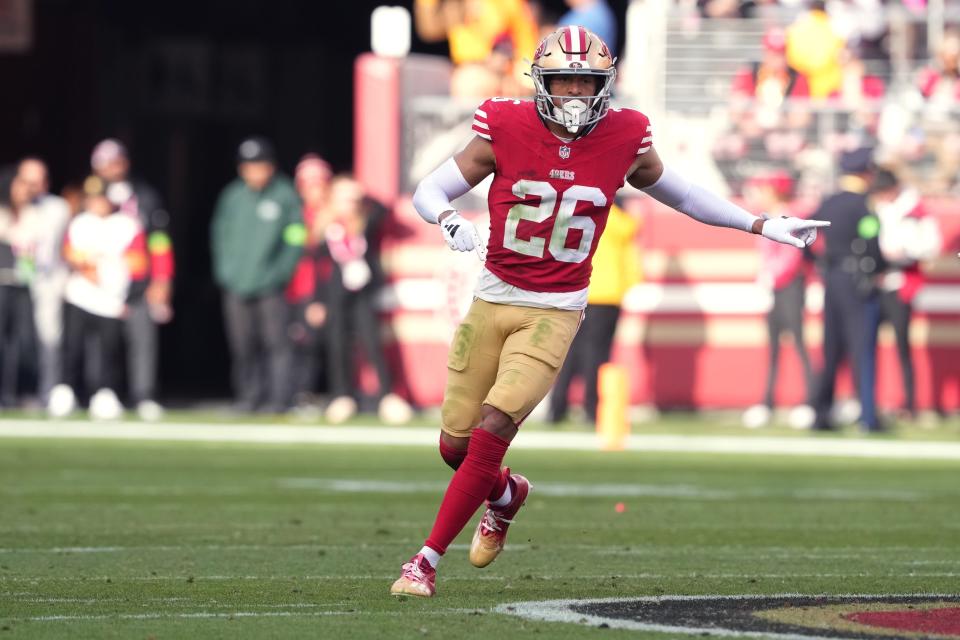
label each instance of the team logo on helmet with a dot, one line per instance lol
(541, 48)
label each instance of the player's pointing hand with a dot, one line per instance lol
(789, 230)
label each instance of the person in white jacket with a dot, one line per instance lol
(908, 236)
(105, 249)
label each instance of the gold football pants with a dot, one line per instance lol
(506, 356)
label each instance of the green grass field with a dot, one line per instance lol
(177, 540)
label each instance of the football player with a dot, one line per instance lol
(557, 163)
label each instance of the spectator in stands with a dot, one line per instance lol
(18, 230)
(731, 8)
(939, 85)
(616, 268)
(862, 24)
(49, 270)
(767, 113)
(783, 273)
(908, 236)
(151, 295)
(851, 264)
(596, 16)
(487, 38)
(106, 250)
(257, 237)
(353, 237)
(307, 289)
(857, 103)
(814, 49)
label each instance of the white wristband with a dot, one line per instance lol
(677, 192)
(436, 190)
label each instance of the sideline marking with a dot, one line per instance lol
(631, 490)
(427, 436)
(563, 611)
(235, 614)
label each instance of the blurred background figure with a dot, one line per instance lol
(106, 250)
(488, 40)
(596, 16)
(307, 291)
(814, 48)
(353, 236)
(150, 297)
(908, 236)
(783, 273)
(732, 8)
(767, 114)
(18, 230)
(616, 268)
(850, 267)
(49, 271)
(257, 237)
(863, 25)
(939, 86)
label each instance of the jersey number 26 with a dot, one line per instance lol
(562, 225)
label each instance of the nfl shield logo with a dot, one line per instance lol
(564, 152)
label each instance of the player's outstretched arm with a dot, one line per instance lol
(649, 174)
(449, 181)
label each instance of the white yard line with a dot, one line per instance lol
(421, 436)
(757, 553)
(615, 490)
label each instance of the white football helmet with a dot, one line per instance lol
(573, 50)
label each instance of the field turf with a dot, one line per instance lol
(107, 539)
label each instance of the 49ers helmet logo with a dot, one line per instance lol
(541, 48)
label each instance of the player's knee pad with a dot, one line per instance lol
(459, 413)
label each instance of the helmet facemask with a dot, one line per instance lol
(574, 113)
(567, 51)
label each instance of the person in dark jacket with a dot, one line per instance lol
(149, 303)
(353, 235)
(307, 290)
(850, 267)
(257, 238)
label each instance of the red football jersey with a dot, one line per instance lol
(549, 198)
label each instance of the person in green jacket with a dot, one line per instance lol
(257, 238)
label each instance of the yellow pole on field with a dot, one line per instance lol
(613, 426)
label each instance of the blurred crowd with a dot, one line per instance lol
(825, 80)
(825, 84)
(492, 41)
(86, 278)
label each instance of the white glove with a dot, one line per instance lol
(789, 230)
(461, 235)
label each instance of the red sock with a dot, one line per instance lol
(453, 457)
(500, 485)
(469, 487)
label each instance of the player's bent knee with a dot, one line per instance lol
(498, 423)
(458, 418)
(453, 450)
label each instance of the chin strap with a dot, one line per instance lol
(572, 114)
